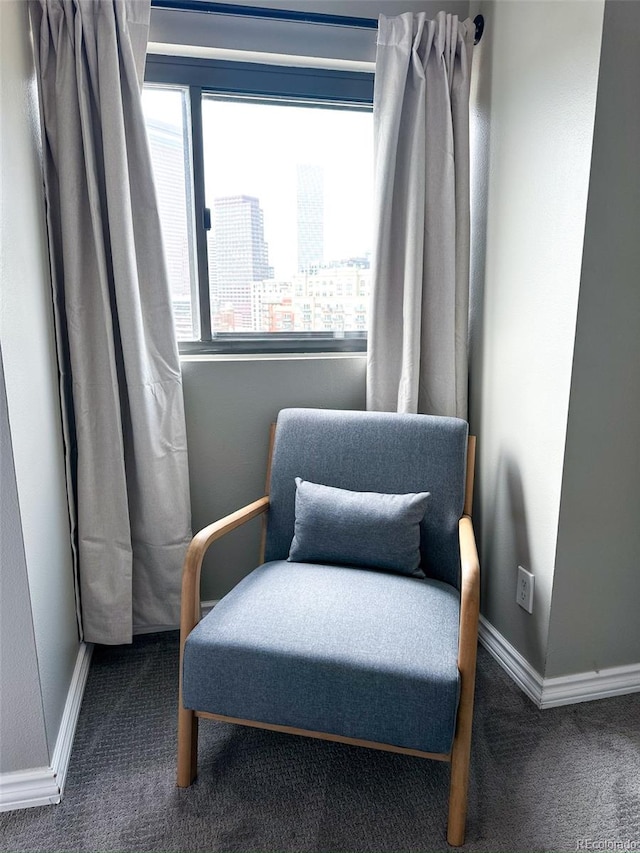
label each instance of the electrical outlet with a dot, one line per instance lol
(524, 591)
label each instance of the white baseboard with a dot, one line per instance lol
(559, 690)
(64, 742)
(23, 789)
(44, 786)
(585, 686)
(515, 665)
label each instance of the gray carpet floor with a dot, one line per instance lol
(541, 780)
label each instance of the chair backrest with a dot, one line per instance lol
(373, 452)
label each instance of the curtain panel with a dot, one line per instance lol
(121, 385)
(417, 351)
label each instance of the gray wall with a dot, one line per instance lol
(229, 405)
(533, 110)
(26, 331)
(277, 37)
(23, 741)
(596, 592)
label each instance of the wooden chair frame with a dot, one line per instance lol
(467, 650)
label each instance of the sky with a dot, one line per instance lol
(253, 149)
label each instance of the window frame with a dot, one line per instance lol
(247, 80)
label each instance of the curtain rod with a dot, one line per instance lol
(282, 14)
(264, 12)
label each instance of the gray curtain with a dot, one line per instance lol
(121, 386)
(417, 352)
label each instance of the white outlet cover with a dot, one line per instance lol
(524, 589)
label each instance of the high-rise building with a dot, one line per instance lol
(166, 142)
(310, 193)
(238, 257)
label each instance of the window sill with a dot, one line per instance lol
(258, 344)
(186, 358)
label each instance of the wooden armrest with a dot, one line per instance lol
(190, 603)
(468, 636)
(469, 597)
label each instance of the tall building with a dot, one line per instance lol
(310, 192)
(238, 257)
(166, 142)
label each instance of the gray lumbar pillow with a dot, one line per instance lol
(358, 528)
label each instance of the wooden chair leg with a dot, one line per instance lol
(460, 758)
(467, 652)
(187, 746)
(458, 792)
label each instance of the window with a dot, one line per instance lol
(264, 180)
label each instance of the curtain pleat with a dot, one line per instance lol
(121, 385)
(417, 349)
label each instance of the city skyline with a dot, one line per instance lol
(259, 154)
(247, 293)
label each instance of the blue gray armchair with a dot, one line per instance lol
(360, 625)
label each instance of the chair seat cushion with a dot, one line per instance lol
(361, 654)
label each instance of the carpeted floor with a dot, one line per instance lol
(541, 780)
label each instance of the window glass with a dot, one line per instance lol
(289, 189)
(166, 117)
(264, 183)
